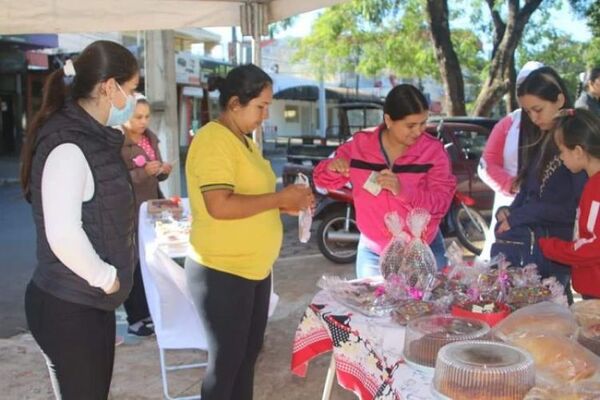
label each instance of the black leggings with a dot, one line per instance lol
(234, 312)
(77, 341)
(136, 305)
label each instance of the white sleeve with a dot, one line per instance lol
(65, 178)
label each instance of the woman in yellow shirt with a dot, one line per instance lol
(236, 231)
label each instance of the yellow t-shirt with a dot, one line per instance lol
(245, 247)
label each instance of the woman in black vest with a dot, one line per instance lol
(83, 208)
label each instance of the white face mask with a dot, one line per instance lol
(118, 116)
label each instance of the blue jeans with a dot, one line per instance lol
(367, 261)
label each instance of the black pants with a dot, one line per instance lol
(78, 342)
(136, 305)
(234, 312)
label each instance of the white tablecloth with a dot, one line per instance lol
(169, 300)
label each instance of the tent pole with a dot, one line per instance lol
(161, 91)
(256, 22)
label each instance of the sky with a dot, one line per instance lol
(563, 19)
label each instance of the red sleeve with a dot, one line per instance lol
(326, 179)
(491, 170)
(585, 251)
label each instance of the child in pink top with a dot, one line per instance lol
(411, 168)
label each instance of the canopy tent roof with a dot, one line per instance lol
(62, 16)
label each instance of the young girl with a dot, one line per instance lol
(578, 138)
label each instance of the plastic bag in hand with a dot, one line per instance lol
(418, 265)
(393, 253)
(304, 216)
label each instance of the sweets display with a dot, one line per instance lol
(364, 296)
(165, 208)
(522, 296)
(411, 309)
(172, 236)
(481, 370)
(427, 335)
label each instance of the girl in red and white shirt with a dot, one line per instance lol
(578, 137)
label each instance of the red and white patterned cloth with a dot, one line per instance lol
(367, 351)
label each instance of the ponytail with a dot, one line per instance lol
(97, 63)
(55, 93)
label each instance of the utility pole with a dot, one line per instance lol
(161, 91)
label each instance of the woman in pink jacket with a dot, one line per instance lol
(410, 170)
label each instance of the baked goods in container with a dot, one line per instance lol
(590, 339)
(587, 314)
(545, 316)
(587, 390)
(425, 336)
(481, 370)
(557, 358)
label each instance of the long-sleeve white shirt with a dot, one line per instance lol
(67, 183)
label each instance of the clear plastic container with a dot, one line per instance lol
(427, 335)
(589, 339)
(482, 370)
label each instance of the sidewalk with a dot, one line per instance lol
(137, 374)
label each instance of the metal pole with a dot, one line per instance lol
(322, 108)
(161, 91)
(257, 135)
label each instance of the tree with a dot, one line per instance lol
(559, 51)
(369, 36)
(506, 37)
(392, 35)
(450, 70)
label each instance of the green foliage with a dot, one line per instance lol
(375, 36)
(591, 53)
(556, 49)
(589, 9)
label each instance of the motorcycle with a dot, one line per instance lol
(338, 234)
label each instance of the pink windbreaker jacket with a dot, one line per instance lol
(425, 176)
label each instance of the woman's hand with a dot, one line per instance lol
(389, 181)
(166, 168)
(296, 197)
(514, 187)
(340, 165)
(115, 286)
(152, 167)
(503, 227)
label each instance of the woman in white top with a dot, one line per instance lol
(83, 208)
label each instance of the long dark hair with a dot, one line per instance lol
(588, 77)
(546, 84)
(404, 100)
(245, 82)
(579, 127)
(97, 63)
